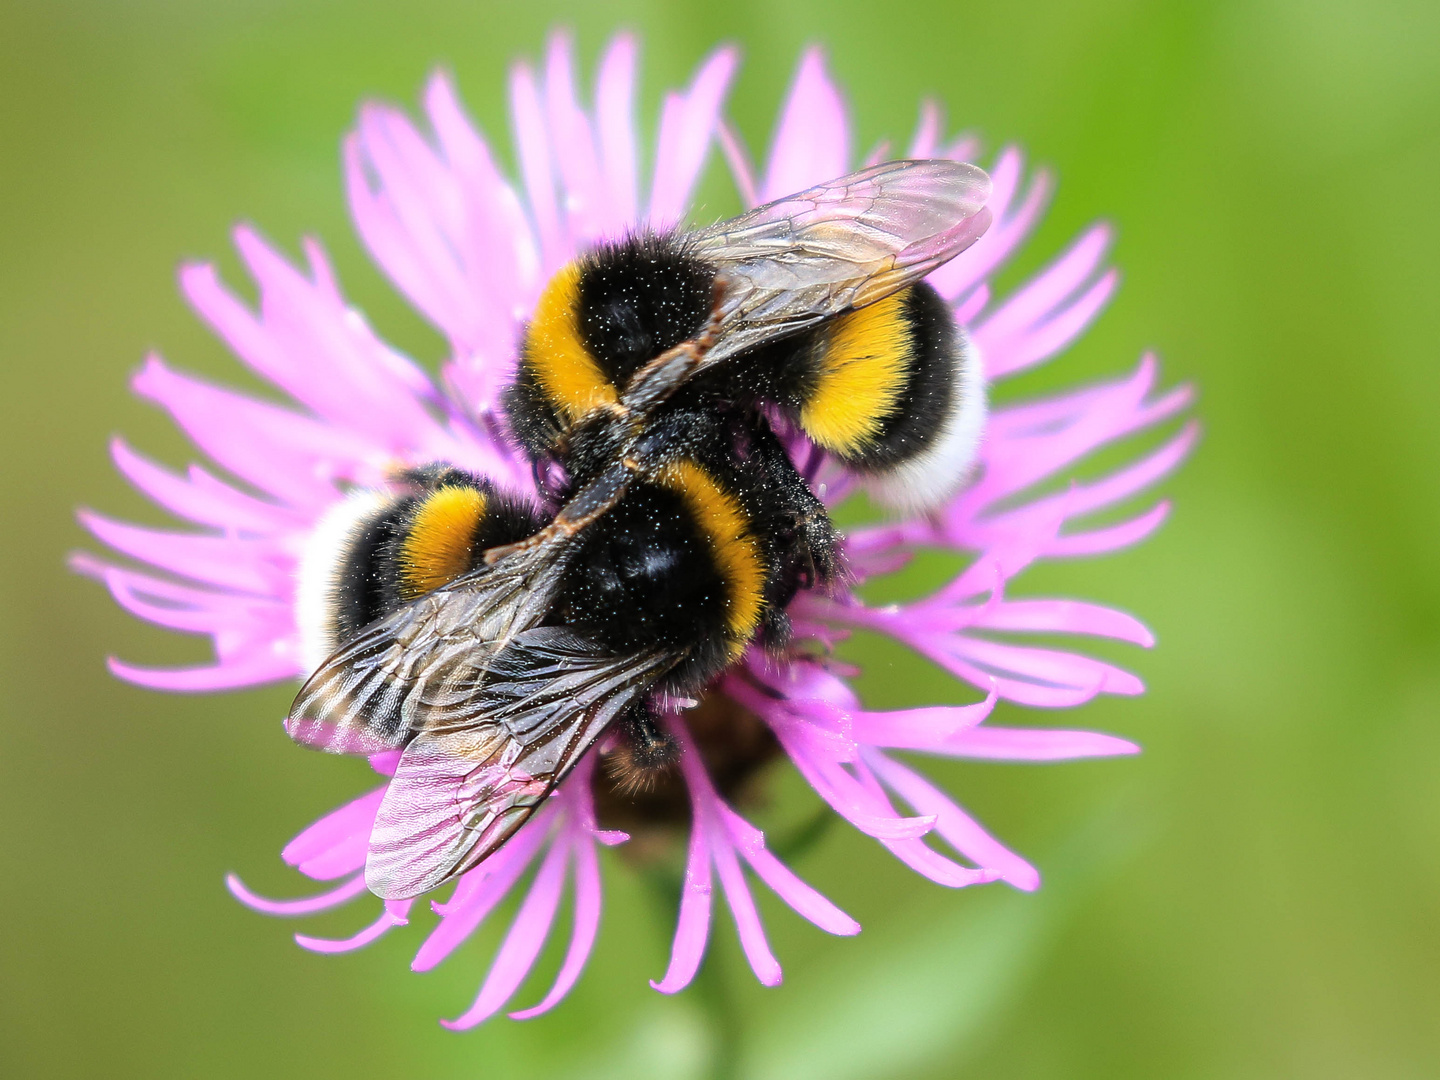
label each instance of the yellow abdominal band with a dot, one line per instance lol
(438, 547)
(863, 371)
(736, 552)
(563, 367)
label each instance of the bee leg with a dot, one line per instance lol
(645, 752)
(792, 508)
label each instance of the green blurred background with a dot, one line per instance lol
(1257, 895)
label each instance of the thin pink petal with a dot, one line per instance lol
(812, 141)
(587, 925)
(1034, 744)
(1048, 290)
(199, 497)
(692, 929)
(1044, 340)
(573, 146)
(927, 131)
(230, 562)
(1111, 538)
(957, 827)
(408, 247)
(747, 919)
(1011, 226)
(240, 624)
(478, 893)
(307, 905)
(284, 453)
(532, 142)
(919, 729)
(1066, 617)
(687, 124)
(231, 674)
(498, 248)
(801, 897)
(522, 943)
(739, 161)
(915, 853)
(615, 122)
(335, 845)
(1048, 666)
(394, 914)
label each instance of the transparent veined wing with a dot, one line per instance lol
(401, 674)
(839, 245)
(464, 786)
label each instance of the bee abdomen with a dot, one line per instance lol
(380, 548)
(599, 320)
(895, 391)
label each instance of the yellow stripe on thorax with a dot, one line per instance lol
(863, 370)
(566, 371)
(437, 548)
(736, 552)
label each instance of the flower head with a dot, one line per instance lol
(472, 251)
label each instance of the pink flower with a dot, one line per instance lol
(472, 250)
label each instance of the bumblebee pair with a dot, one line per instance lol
(495, 639)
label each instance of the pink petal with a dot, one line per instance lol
(1050, 666)
(240, 624)
(974, 303)
(687, 123)
(310, 343)
(742, 906)
(1123, 483)
(290, 456)
(533, 144)
(1112, 538)
(919, 729)
(692, 930)
(229, 562)
(335, 845)
(573, 146)
(739, 161)
(395, 221)
(394, 914)
(615, 122)
(1048, 290)
(1044, 340)
(1066, 617)
(846, 796)
(782, 880)
(930, 864)
(812, 142)
(478, 892)
(587, 924)
(1034, 744)
(201, 498)
(231, 674)
(927, 132)
(957, 827)
(307, 905)
(522, 943)
(1010, 228)
(498, 249)
(915, 853)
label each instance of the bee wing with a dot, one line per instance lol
(396, 676)
(466, 784)
(840, 245)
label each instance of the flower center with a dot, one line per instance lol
(734, 745)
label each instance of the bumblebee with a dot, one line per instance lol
(494, 639)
